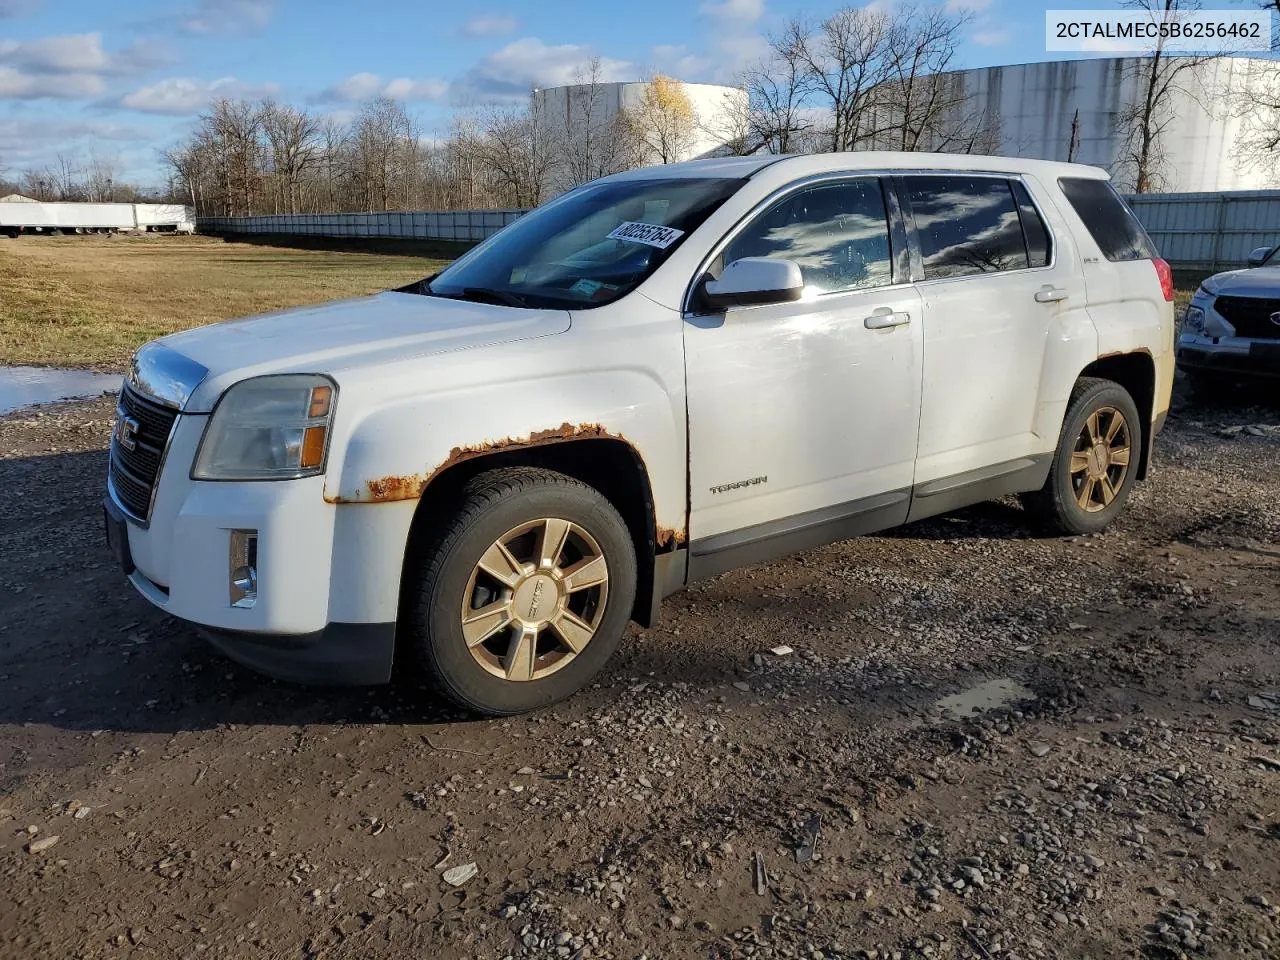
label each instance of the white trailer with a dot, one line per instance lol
(23, 217)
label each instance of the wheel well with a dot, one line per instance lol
(609, 465)
(1136, 372)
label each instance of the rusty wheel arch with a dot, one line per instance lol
(605, 460)
(1134, 370)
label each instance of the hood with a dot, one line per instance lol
(1256, 282)
(337, 336)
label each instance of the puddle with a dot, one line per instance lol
(26, 386)
(984, 697)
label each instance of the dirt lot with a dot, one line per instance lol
(1124, 802)
(91, 301)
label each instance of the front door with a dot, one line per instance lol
(803, 416)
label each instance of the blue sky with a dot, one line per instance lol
(127, 77)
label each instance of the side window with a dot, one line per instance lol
(1108, 219)
(966, 225)
(838, 233)
(1033, 228)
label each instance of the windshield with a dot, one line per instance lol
(587, 248)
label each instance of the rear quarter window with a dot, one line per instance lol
(1108, 219)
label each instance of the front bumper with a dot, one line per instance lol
(349, 654)
(328, 575)
(1230, 357)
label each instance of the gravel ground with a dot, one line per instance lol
(979, 744)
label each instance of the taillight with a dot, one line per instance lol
(1165, 273)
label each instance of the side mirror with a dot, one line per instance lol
(1259, 256)
(753, 281)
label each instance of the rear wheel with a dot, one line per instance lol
(1096, 463)
(524, 594)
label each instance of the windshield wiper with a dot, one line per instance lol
(504, 297)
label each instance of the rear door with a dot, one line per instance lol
(995, 285)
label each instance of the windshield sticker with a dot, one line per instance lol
(585, 287)
(650, 234)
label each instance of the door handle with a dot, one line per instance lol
(884, 317)
(1050, 294)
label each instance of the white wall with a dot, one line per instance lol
(1033, 105)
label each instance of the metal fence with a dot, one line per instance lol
(1209, 231)
(1193, 231)
(465, 225)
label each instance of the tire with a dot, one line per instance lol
(506, 672)
(1058, 505)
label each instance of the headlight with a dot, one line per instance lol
(268, 428)
(1193, 320)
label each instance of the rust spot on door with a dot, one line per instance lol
(669, 539)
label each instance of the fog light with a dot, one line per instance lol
(243, 568)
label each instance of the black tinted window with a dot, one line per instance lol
(966, 225)
(837, 232)
(1108, 219)
(1033, 228)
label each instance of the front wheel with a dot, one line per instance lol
(524, 594)
(1096, 463)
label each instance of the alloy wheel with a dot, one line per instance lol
(535, 599)
(1100, 460)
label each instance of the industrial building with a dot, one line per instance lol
(1073, 110)
(565, 111)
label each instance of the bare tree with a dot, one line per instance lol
(1157, 80)
(663, 121)
(927, 109)
(845, 60)
(777, 90)
(1255, 101)
(100, 178)
(293, 136)
(583, 134)
(729, 125)
(516, 147)
(377, 139)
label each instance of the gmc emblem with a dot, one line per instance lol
(127, 432)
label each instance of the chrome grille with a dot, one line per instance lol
(134, 472)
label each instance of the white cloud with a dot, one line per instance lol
(181, 95)
(225, 17)
(72, 53)
(733, 54)
(734, 11)
(967, 6)
(511, 72)
(15, 85)
(362, 86)
(679, 62)
(82, 53)
(403, 88)
(992, 38)
(490, 25)
(358, 86)
(31, 142)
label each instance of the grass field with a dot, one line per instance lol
(90, 301)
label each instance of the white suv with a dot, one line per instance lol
(658, 377)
